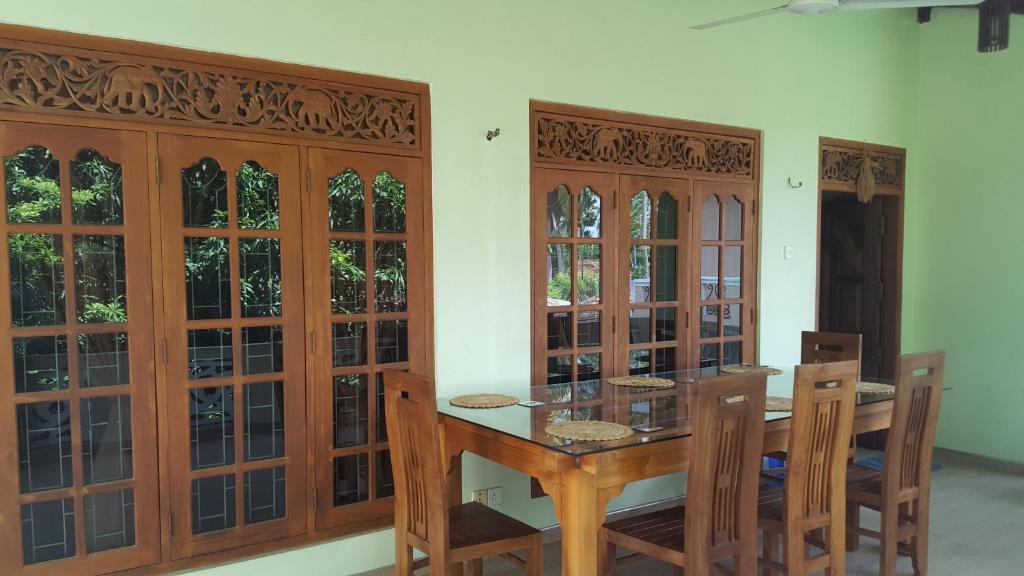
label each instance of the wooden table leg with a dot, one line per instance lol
(454, 484)
(581, 508)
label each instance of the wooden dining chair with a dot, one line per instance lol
(824, 347)
(465, 533)
(900, 492)
(719, 518)
(814, 494)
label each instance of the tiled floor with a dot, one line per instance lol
(977, 526)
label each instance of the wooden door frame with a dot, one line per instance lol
(836, 174)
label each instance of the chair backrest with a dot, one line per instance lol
(819, 439)
(824, 347)
(908, 452)
(721, 492)
(421, 503)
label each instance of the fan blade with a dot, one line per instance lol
(885, 4)
(740, 18)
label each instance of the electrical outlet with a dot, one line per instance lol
(787, 253)
(494, 496)
(480, 496)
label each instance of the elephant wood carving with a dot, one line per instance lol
(133, 89)
(695, 154)
(315, 109)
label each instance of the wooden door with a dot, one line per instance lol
(574, 267)
(78, 487)
(367, 271)
(724, 252)
(654, 224)
(235, 343)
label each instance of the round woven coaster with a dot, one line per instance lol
(875, 388)
(589, 430)
(778, 404)
(748, 369)
(641, 382)
(483, 401)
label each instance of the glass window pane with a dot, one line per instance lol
(109, 520)
(106, 439)
(32, 181)
(588, 329)
(709, 288)
(392, 341)
(213, 503)
(588, 271)
(260, 278)
(733, 218)
(639, 362)
(210, 354)
(559, 212)
(589, 214)
(346, 204)
(639, 325)
(665, 324)
(388, 204)
(664, 360)
(351, 410)
(48, 530)
(258, 198)
(351, 479)
(639, 274)
(732, 320)
(207, 278)
(588, 367)
(213, 426)
(96, 189)
(382, 421)
(665, 283)
(263, 428)
(710, 218)
(264, 494)
(348, 277)
(37, 279)
(103, 360)
(732, 353)
(559, 330)
(709, 355)
(385, 478)
(349, 344)
(204, 195)
(389, 265)
(40, 364)
(44, 445)
(732, 261)
(560, 370)
(668, 217)
(709, 321)
(262, 350)
(100, 292)
(559, 268)
(640, 216)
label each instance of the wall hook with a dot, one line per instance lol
(492, 134)
(789, 181)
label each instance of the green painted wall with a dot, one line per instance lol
(850, 75)
(966, 278)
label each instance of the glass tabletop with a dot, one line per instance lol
(654, 414)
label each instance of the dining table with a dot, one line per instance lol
(582, 477)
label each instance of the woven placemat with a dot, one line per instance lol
(641, 382)
(778, 404)
(749, 369)
(483, 401)
(589, 430)
(875, 388)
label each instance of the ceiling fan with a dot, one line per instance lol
(814, 7)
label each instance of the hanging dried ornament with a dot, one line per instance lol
(866, 180)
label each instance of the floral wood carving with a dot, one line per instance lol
(843, 165)
(563, 139)
(92, 84)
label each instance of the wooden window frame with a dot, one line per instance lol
(622, 145)
(396, 123)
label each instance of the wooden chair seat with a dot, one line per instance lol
(771, 505)
(658, 533)
(863, 485)
(473, 525)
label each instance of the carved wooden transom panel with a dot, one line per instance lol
(843, 165)
(98, 84)
(566, 139)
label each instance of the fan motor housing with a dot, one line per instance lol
(812, 7)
